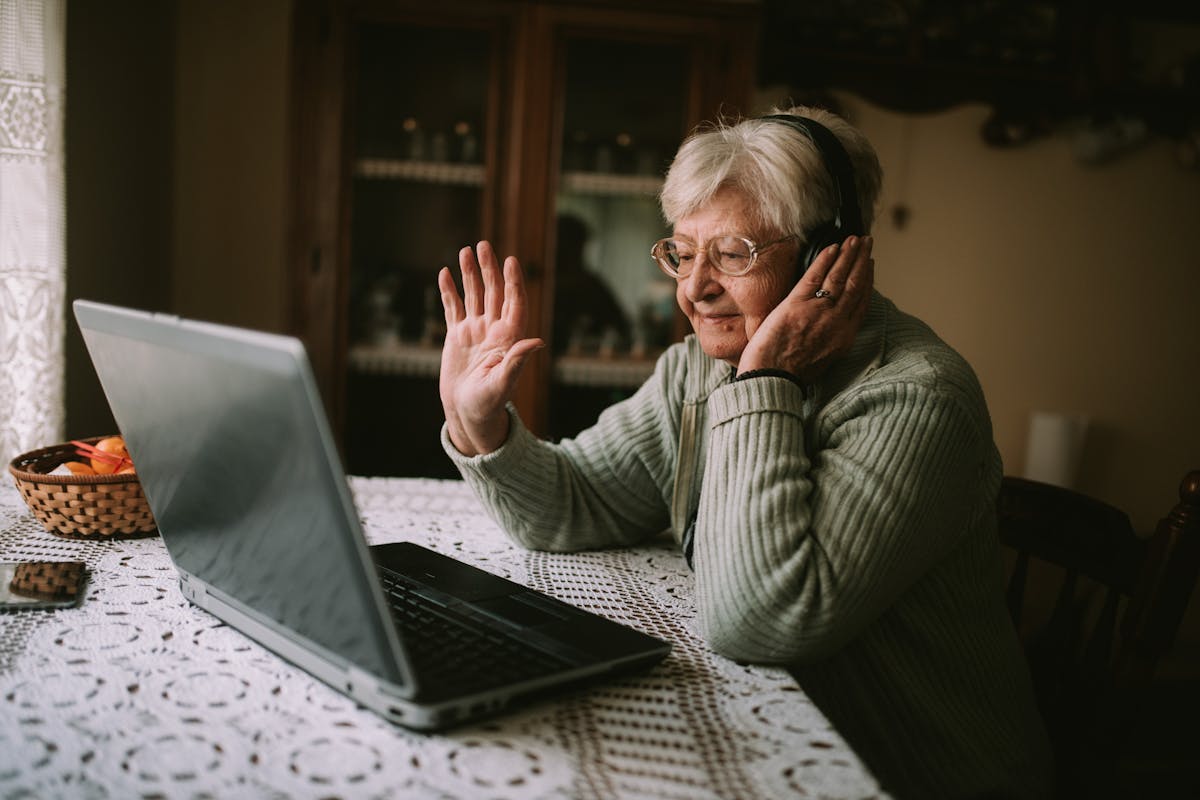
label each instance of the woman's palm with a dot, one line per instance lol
(485, 347)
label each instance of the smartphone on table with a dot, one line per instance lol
(41, 584)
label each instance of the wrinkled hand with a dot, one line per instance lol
(806, 332)
(485, 348)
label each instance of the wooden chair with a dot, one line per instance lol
(1094, 644)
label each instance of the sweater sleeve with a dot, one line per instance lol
(610, 486)
(800, 544)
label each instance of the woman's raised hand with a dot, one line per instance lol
(485, 347)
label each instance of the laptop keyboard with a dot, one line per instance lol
(450, 649)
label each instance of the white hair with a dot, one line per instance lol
(776, 166)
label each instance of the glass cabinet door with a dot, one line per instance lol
(544, 127)
(419, 192)
(624, 114)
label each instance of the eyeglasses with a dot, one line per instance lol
(732, 255)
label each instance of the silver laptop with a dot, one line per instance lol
(234, 453)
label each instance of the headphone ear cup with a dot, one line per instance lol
(821, 237)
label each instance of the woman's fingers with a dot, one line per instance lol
(855, 252)
(451, 302)
(828, 277)
(472, 283)
(488, 290)
(814, 276)
(514, 293)
(514, 360)
(860, 283)
(493, 290)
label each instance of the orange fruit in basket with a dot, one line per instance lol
(112, 444)
(79, 468)
(118, 458)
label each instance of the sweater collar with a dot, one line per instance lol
(863, 357)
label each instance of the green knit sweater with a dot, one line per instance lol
(846, 531)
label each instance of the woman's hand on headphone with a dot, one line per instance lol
(820, 318)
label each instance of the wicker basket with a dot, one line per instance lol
(81, 506)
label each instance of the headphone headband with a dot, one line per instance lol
(848, 216)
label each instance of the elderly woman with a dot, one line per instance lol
(825, 461)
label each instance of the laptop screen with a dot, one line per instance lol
(233, 452)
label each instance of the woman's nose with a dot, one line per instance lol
(702, 281)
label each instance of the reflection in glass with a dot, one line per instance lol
(625, 114)
(588, 317)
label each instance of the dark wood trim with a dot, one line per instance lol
(315, 180)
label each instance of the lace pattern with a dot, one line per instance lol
(138, 693)
(32, 228)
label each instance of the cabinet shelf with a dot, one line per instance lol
(413, 360)
(447, 172)
(605, 183)
(624, 373)
(406, 359)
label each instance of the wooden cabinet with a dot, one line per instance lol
(544, 127)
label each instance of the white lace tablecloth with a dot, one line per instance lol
(136, 693)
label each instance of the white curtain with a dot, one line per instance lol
(32, 224)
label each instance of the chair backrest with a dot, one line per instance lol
(1115, 612)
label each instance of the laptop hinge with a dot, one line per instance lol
(362, 686)
(193, 588)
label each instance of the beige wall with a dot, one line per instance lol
(1070, 288)
(231, 153)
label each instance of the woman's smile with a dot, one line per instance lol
(716, 318)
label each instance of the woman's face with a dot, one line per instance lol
(724, 310)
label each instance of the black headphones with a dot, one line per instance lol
(847, 220)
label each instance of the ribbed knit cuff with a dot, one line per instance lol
(752, 396)
(769, 373)
(505, 457)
